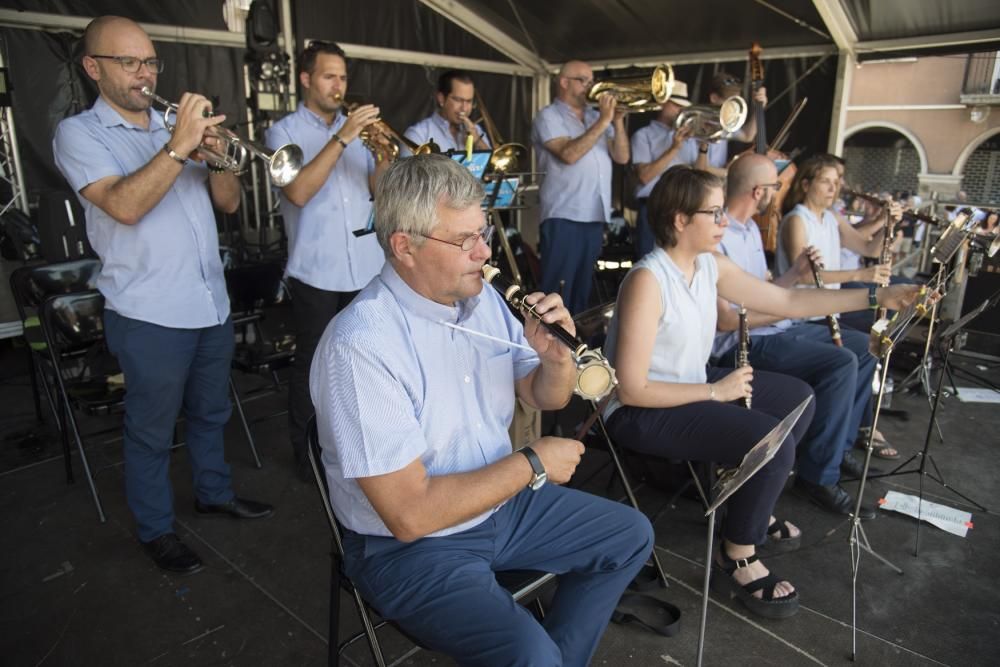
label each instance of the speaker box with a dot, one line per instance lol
(62, 227)
(984, 331)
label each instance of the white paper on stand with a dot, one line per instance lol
(946, 518)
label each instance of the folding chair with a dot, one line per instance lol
(255, 290)
(525, 586)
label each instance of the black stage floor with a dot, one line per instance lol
(78, 592)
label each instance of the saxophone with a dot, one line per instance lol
(743, 348)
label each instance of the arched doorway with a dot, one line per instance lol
(981, 170)
(881, 158)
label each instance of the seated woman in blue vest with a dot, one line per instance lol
(670, 405)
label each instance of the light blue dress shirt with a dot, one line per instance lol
(437, 128)
(323, 251)
(718, 154)
(166, 269)
(579, 191)
(652, 141)
(392, 384)
(742, 243)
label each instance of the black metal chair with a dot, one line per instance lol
(525, 586)
(31, 285)
(264, 345)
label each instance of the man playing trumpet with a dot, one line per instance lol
(451, 125)
(322, 207)
(166, 319)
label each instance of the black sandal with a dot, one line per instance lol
(779, 540)
(767, 606)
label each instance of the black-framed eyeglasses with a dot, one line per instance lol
(582, 79)
(716, 213)
(131, 64)
(469, 242)
(776, 186)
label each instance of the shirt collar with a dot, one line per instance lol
(741, 226)
(312, 117)
(423, 307)
(442, 123)
(110, 117)
(568, 110)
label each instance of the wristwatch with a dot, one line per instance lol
(540, 477)
(872, 297)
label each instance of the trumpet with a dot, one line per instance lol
(380, 138)
(637, 94)
(595, 378)
(710, 123)
(234, 152)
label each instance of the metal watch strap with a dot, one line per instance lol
(173, 155)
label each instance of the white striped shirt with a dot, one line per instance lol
(392, 384)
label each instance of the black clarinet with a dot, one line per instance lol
(595, 378)
(743, 349)
(831, 319)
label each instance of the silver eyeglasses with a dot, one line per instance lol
(131, 64)
(470, 241)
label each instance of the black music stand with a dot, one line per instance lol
(946, 339)
(729, 483)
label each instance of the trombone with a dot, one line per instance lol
(637, 94)
(234, 152)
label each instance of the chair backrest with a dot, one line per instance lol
(31, 285)
(315, 451)
(73, 321)
(255, 286)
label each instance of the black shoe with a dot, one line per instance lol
(852, 466)
(172, 555)
(832, 498)
(238, 508)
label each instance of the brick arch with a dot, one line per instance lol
(917, 144)
(970, 148)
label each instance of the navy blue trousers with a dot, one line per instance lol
(722, 433)
(443, 591)
(645, 240)
(569, 250)
(167, 370)
(841, 378)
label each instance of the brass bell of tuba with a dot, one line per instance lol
(637, 94)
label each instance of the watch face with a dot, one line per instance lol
(538, 481)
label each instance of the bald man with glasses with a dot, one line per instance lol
(148, 195)
(576, 145)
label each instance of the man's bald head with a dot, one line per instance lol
(748, 172)
(575, 78)
(573, 68)
(96, 36)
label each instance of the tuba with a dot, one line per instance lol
(283, 165)
(710, 123)
(637, 94)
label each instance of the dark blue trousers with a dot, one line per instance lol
(569, 250)
(443, 591)
(723, 433)
(167, 370)
(645, 240)
(806, 351)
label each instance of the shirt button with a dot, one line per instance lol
(467, 379)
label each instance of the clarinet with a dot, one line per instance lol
(595, 378)
(885, 257)
(743, 349)
(831, 319)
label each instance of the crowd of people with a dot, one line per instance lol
(412, 366)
